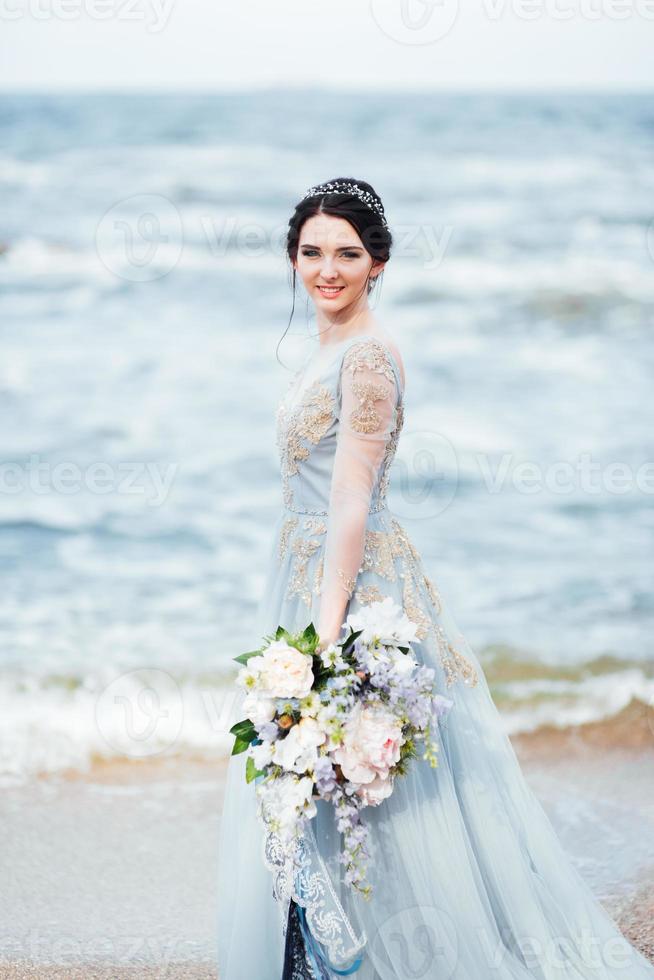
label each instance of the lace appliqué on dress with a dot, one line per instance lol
(371, 354)
(300, 874)
(306, 423)
(365, 418)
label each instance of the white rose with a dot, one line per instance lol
(249, 676)
(286, 672)
(403, 663)
(262, 754)
(285, 800)
(259, 709)
(384, 621)
(298, 752)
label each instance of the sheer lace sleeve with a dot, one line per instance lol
(367, 418)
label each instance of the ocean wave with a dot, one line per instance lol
(533, 695)
(69, 722)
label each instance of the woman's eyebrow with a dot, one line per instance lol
(339, 249)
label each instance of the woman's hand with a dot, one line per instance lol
(325, 641)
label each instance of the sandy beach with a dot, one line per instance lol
(112, 873)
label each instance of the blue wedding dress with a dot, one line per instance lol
(469, 880)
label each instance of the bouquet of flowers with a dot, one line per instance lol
(338, 723)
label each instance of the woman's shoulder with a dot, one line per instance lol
(378, 351)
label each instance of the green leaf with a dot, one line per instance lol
(244, 729)
(282, 633)
(244, 657)
(310, 632)
(240, 746)
(251, 771)
(349, 641)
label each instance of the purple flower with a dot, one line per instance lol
(324, 775)
(269, 731)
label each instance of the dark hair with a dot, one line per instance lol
(367, 222)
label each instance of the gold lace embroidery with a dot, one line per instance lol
(389, 453)
(378, 554)
(309, 421)
(288, 527)
(302, 549)
(365, 418)
(367, 594)
(315, 525)
(452, 660)
(414, 610)
(370, 354)
(348, 581)
(433, 593)
(373, 355)
(317, 582)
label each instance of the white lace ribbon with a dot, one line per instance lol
(300, 873)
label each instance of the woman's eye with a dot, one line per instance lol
(309, 252)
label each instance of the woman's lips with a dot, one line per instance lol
(330, 291)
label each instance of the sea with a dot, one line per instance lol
(148, 327)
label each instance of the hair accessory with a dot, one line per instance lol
(340, 187)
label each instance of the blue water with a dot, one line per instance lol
(143, 292)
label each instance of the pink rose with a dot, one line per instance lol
(371, 744)
(285, 672)
(375, 792)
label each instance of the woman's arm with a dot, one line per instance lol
(367, 418)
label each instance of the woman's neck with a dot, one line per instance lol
(334, 332)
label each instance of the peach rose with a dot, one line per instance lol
(371, 744)
(377, 791)
(286, 673)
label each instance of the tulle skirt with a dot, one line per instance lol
(469, 879)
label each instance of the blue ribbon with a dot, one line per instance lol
(313, 947)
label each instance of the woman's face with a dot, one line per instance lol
(331, 254)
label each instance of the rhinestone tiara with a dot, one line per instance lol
(349, 188)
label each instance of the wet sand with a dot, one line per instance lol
(112, 873)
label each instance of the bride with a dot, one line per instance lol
(469, 880)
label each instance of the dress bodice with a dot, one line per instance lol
(309, 418)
